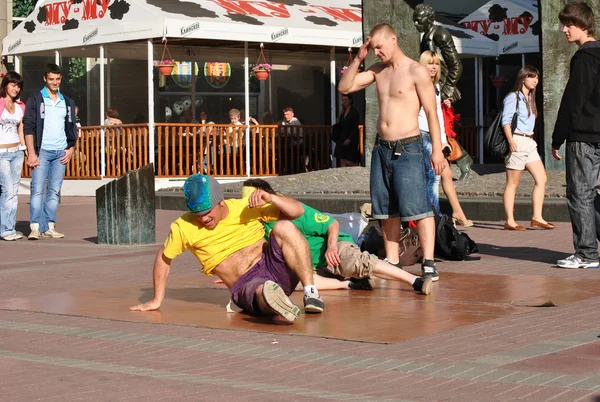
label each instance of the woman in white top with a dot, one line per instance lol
(12, 145)
(432, 62)
(523, 149)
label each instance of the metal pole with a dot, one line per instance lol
(150, 101)
(88, 96)
(102, 100)
(332, 96)
(479, 92)
(247, 106)
(522, 59)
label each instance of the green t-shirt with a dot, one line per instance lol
(313, 225)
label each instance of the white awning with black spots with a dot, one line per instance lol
(59, 24)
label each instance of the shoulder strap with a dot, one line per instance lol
(518, 99)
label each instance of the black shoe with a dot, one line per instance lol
(423, 285)
(428, 270)
(362, 284)
(313, 304)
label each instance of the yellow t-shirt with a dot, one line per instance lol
(241, 228)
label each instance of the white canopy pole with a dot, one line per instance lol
(108, 91)
(150, 102)
(102, 100)
(18, 64)
(333, 97)
(247, 105)
(57, 57)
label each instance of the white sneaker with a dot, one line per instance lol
(52, 234)
(574, 261)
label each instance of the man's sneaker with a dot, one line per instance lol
(428, 270)
(423, 285)
(397, 265)
(362, 284)
(313, 303)
(575, 261)
(34, 235)
(276, 298)
(52, 233)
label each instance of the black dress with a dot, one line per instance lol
(348, 129)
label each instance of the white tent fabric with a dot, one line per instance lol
(58, 24)
(471, 43)
(515, 27)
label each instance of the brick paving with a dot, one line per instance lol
(544, 354)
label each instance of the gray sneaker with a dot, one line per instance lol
(34, 235)
(428, 270)
(313, 304)
(276, 298)
(574, 261)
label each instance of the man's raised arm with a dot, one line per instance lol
(352, 80)
(162, 267)
(287, 206)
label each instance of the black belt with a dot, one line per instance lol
(403, 141)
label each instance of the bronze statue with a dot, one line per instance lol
(438, 40)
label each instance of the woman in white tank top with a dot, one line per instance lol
(12, 145)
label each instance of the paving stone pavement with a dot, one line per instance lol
(549, 354)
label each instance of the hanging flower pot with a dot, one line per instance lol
(498, 82)
(261, 75)
(166, 67)
(262, 69)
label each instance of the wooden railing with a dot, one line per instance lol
(220, 149)
(468, 137)
(214, 149)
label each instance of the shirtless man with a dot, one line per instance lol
(398, 184)
(227, 238)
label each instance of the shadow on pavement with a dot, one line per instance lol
(534, 254)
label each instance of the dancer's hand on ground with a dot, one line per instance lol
(259, 198)
(438, 162)
(556, 155)
(513, 146)
(149, 306)
(332, 257)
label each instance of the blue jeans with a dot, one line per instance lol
(582, 161)
(43, 204)
(11, 164)
(433, 180)
(398, 183)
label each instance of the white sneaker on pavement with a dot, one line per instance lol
(574, 261)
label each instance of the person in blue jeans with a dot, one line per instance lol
(578, 123)
(12, 145)
(50, 134)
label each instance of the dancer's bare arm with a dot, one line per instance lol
(331, 255)
(289, 207)
(162, 267)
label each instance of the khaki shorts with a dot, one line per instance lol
(526, 153)
(354, 263)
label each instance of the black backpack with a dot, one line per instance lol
(450, 244)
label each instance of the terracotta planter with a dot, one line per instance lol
(166, 69)
(261, 75)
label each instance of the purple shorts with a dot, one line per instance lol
(271, 267)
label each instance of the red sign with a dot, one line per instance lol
(58, 12)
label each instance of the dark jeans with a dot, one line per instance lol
(583, 166)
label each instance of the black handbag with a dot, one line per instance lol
(494, 140)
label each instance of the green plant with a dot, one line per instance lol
(22, 8)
